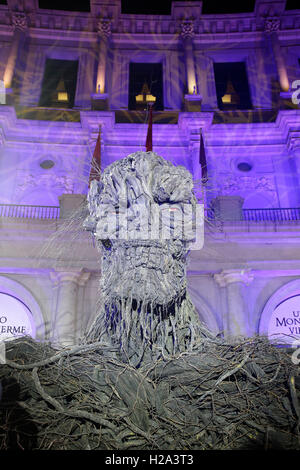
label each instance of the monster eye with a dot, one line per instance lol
(106, 243)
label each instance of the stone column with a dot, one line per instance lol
(100, 96)
(206, 82)
(20, 25)
(272, 26)
(64, 320)
(187, 34)
(235, 318)
(192, 99)
(195, 168)
(32, 81)
(104, 33)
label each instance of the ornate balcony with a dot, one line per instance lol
(287, 214)
(28, 211)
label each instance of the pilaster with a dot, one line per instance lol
(271, 28)
(20, 26)
(235, 318)
(192, 99)
(64, 318)
(100, 96)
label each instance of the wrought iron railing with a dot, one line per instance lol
(251, 215)
(273, 215)
(26, 211)
(279, 214)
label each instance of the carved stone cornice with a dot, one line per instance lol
(28, 181)
(104, 27)
(293, 144)
(229, 276)
(235, 183)
(19, 21)
(272, 24)
(77, 277)
(187, 29)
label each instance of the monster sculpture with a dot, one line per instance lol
(142, 215)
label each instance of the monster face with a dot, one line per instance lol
(142, 214)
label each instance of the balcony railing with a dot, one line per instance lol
(28, 211)
(250, 215)
(279, 214)
(272, 215)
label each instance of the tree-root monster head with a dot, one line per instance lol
(143, 214)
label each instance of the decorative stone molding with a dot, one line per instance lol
(272, 24)
(192, 102)
(235, 24)
(237, 183)
(77, 277)
(187, 29)
(19, 21)
(104, 28)
(229, 276)
(47, 180)
(294, 144)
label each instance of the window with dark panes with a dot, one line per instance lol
(59, 83)
(232, 85)
(145, 79)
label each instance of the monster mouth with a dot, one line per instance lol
(148, 271)
(159, 311)
(163, 311)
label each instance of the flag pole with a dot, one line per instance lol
(149, 131)
(202, 160)
(95, 171)
(203, 164)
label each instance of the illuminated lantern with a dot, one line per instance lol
(60, 95)
(230, 97)
(144, 98)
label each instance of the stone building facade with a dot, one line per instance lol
(249, 267)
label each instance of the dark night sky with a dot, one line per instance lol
(163, 8)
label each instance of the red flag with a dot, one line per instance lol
(96, 160)
(149, 132)
(202, 160)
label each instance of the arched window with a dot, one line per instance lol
(280, 319)
(20, 314)
(15, 318)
